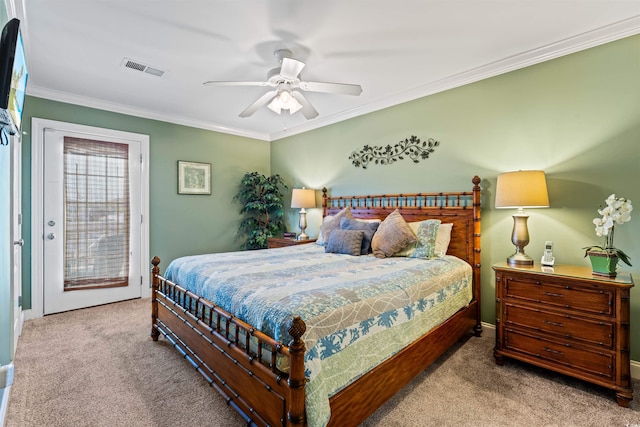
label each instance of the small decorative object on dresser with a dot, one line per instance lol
(566, 320)
(280, 242)
(604, 259)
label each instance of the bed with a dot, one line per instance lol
(271, 372)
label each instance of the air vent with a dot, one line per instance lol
(135, 65)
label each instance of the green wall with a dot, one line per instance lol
(576, 117)
(179, 224)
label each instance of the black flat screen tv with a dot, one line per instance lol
(13, 76)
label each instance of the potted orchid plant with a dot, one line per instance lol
(604, 258)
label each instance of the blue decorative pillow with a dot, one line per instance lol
(369, 228)
(344, 242)
(333, 223)
(426, 239)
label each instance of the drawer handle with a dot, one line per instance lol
(549, 350)
(551, 294)
(548, 322)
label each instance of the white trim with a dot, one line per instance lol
(599, 36)
(635, 369)
(4, 404)
(71, 98)
(488, 330)
(589, 39)
(37, 231)
(30, 313)
(6, 379)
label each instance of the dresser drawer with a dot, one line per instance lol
(598, 364)
(565, 326)
(585, 299)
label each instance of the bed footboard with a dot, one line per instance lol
(244, 365)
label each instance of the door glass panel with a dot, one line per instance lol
(96, 214)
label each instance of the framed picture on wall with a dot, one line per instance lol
(194, 177)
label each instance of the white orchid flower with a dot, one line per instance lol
(617, 211)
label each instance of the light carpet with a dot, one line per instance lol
(99, 367)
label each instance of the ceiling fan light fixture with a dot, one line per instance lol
(275, 105)
(287, 88)
(284, 101)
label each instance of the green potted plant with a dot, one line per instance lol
(262, 206)
(604, 259)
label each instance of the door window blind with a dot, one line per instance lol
(96, 212)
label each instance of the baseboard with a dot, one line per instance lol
(30, 314)
(635, 369)
(489, 331)
(4, 404)
(6, 375)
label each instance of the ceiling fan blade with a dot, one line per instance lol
(260, 102)
(341, 88)
(291, 68)
(307, 109)
(217, 83)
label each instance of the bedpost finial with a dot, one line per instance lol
(155, 261)
(297, 328)
(476, 180)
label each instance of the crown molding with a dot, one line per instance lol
(83, 101)
(593, 38)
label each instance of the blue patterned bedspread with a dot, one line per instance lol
(359, 310)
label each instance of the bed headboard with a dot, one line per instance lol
(460, 208)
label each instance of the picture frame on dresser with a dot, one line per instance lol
(567, 320)
(194, 177)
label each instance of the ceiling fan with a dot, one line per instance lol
(287, 87)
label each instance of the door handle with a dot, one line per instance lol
(19, 242)
(51, 236)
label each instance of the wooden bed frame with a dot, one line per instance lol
(240, 361)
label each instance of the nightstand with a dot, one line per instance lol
(281, 242)
(567, 320)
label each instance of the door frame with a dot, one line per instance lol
(17, 242)
(37, 204)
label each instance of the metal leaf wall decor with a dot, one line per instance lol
(411, 147)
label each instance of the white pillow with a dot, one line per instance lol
(442, 239)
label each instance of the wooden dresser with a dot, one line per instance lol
(567, 320)
(280, 242)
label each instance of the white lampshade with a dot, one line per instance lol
(303, 198)
(522, 189)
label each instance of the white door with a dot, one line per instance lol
(91, 220)
(16, 233)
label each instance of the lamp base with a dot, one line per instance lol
(520, 259)
(303, 225)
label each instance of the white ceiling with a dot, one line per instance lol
(396, 50)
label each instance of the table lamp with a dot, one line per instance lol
(302, 198)
(519, 190)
